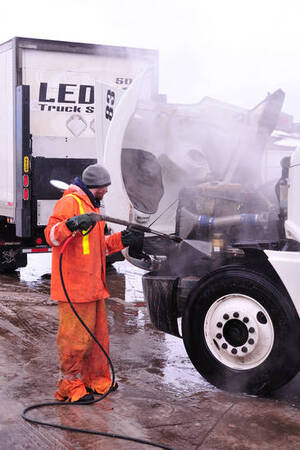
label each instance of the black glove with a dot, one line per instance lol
(130, 237)
(133, 239)
(81, 222)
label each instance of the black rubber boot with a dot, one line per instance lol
(114, 388)
(86, 398)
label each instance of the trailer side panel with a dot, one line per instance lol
(7, 207)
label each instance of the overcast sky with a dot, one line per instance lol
(234, 50)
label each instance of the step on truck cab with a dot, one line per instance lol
(47, 127)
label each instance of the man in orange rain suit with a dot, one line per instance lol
(82, 365)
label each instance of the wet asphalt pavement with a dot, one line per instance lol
(160, 398)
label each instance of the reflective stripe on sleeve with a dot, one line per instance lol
(52, 238)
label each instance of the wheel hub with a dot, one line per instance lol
(235, 332)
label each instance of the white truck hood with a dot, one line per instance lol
(153, 149)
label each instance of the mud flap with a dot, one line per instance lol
(161, 296)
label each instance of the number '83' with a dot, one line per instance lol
(110, 100)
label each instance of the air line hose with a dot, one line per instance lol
(41, 405)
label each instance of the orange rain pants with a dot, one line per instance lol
(81, 361)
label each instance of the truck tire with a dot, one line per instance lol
(241, 331)
(11, 260)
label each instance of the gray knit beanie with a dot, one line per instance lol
(96, 176)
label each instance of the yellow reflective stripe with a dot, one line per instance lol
(85, 239)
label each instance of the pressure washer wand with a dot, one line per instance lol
(135, 226)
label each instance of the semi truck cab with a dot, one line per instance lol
(232, 280)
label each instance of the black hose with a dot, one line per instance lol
(82, 430)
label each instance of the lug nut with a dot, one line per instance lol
(226, 317)
(251, 341)
(219, 336)
(245, 320)
(251, 330)
(224, 345)
(236, 314)
(234, 351)
(244, 349)
(219, 324)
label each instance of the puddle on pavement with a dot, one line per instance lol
(133, 281)
(178, 370)
(37, 266)
(36, 275)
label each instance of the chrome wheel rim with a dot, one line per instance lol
(239, 331)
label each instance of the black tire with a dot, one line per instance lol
(282, 362)
(10, 263)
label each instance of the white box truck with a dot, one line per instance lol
(47, 127)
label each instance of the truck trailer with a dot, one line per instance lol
(47, 127)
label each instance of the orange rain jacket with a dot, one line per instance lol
(83, 262)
